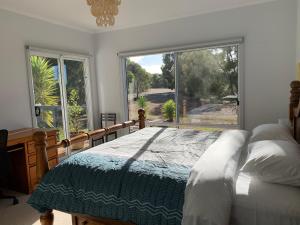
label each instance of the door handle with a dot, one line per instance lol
(37, 110)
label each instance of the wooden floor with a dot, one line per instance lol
(23, 214)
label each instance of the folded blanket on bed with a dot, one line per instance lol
(140, 177)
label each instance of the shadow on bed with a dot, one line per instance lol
(143, 148)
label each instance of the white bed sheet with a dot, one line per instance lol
(208, 194)
(260, 203)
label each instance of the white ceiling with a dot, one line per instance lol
(132, 13)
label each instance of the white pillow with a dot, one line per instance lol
(274, 161)
(271, 132)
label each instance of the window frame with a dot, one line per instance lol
(61, 56)
(239, 41)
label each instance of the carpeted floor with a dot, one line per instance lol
(23, 214)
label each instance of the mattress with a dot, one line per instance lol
(260, 203)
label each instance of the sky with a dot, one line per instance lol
(151, 63)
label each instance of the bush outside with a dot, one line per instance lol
(169, 110)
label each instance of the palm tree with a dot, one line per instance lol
(45, 86)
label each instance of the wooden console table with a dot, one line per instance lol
(23, 157)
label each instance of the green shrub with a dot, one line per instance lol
(75, 111)
(169, 110)
(142, 102)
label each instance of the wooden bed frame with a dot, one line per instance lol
(294, 108)
(42, 167)
(40, 139)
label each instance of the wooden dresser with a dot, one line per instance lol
(23, 157)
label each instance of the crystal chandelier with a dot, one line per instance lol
(105, 11)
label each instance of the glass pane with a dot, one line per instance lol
(150, 84)
(76, 99)
(208, 87)
(48, 110)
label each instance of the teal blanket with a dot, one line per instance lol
(140, 177)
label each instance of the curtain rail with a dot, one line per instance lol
(180, 48)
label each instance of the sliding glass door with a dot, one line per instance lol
(208, 87)
(60, 94)
(76, 101)
(47, 91)
(198, 88)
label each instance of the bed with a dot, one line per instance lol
(140, 177)
(151, 177)
(258, 202)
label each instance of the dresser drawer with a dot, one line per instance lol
(51, 140)
(32, 172)
(32, 159)
(52, 155)
(31, 145)
(31, 148)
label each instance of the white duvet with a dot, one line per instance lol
(209, 191)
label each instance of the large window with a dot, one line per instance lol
(149, 89)
(197, 88)
(60, 93)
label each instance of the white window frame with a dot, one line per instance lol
(239, 41)
(61, 56)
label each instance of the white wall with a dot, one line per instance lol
(16, 31)
(270, 49)
(298, 31)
